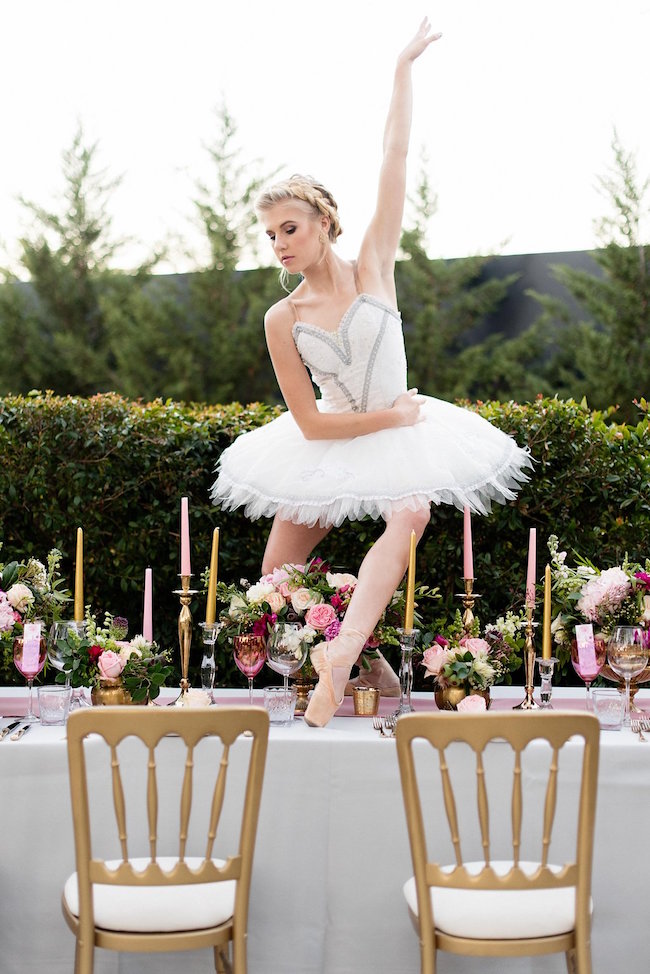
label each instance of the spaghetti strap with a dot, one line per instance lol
(356, 276)
(294, 310)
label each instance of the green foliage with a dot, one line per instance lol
(607, 358)
(118, 468)
(441, 303)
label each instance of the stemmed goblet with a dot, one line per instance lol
(286, 650)
(588, 662)
(627, 654)
(249, 653)
(29, 658)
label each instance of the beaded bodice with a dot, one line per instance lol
(361, 366)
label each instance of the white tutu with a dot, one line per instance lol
(453, 456)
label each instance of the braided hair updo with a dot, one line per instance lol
(307, 189)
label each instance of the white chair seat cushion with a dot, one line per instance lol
(157, 909)
(498, 914)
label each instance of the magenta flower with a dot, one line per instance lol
(644, 578)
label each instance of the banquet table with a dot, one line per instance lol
(331, 857)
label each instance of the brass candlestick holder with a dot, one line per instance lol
(469, 597)
(185, 594)
(529, 663)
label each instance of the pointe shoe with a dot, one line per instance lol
(333, 662)
(381, 676)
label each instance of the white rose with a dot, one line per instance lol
(259, 592)
(303, 599)
(20, 597)
(341, 579)
(195, 698)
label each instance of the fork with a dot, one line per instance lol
(638, 726)
(378, 724)
(390, 723)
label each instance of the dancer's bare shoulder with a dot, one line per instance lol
(280, 317)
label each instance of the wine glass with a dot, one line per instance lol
(250, 654)
(627, 654)
(286, 650)
(29, 658)
(588, 661)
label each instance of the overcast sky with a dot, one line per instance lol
(515, 105)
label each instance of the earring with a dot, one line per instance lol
(322, 239)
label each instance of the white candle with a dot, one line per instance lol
(147, 619)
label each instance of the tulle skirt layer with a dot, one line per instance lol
(453, 456)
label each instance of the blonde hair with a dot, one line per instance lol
(307, 189)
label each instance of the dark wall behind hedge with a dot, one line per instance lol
(118, 468)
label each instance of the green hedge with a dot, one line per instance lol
(119, 468)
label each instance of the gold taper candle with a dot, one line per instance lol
(211, 604)
(79, 612)
(546, 630)
(410, 586)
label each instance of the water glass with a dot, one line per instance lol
(609, 707)
(54, 703)
(280, 702)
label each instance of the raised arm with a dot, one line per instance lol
(298, 392)
(379, 247)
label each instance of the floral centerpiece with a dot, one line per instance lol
(313, 596)
(103, 654)
(463, 663)
(606, 598)
(29, 591)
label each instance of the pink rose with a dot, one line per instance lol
(110, 664)
(472, 704)
(433, 660)
(320, 616)
(475, 645)
(284, 590)
(276, 601)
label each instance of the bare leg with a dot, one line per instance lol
(381, 572)
(290, 544)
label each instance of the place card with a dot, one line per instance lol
(586, 648)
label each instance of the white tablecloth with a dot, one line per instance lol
(332, 855)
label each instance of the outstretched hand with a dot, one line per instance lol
(420, 42)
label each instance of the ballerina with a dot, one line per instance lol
(369, 445)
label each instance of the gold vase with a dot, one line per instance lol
(450, 697)
(110, 693)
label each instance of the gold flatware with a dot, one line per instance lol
(638, 727)
(9, 727)
(17, 734)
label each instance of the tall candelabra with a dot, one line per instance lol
(529, 662)
(185, 594)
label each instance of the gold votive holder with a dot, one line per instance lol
(366, 701)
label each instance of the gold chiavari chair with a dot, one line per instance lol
(524, 903)
(159, 897)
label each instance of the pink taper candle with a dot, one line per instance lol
(468, 558)
(186, 564)
(532, 568)
(147, 619)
